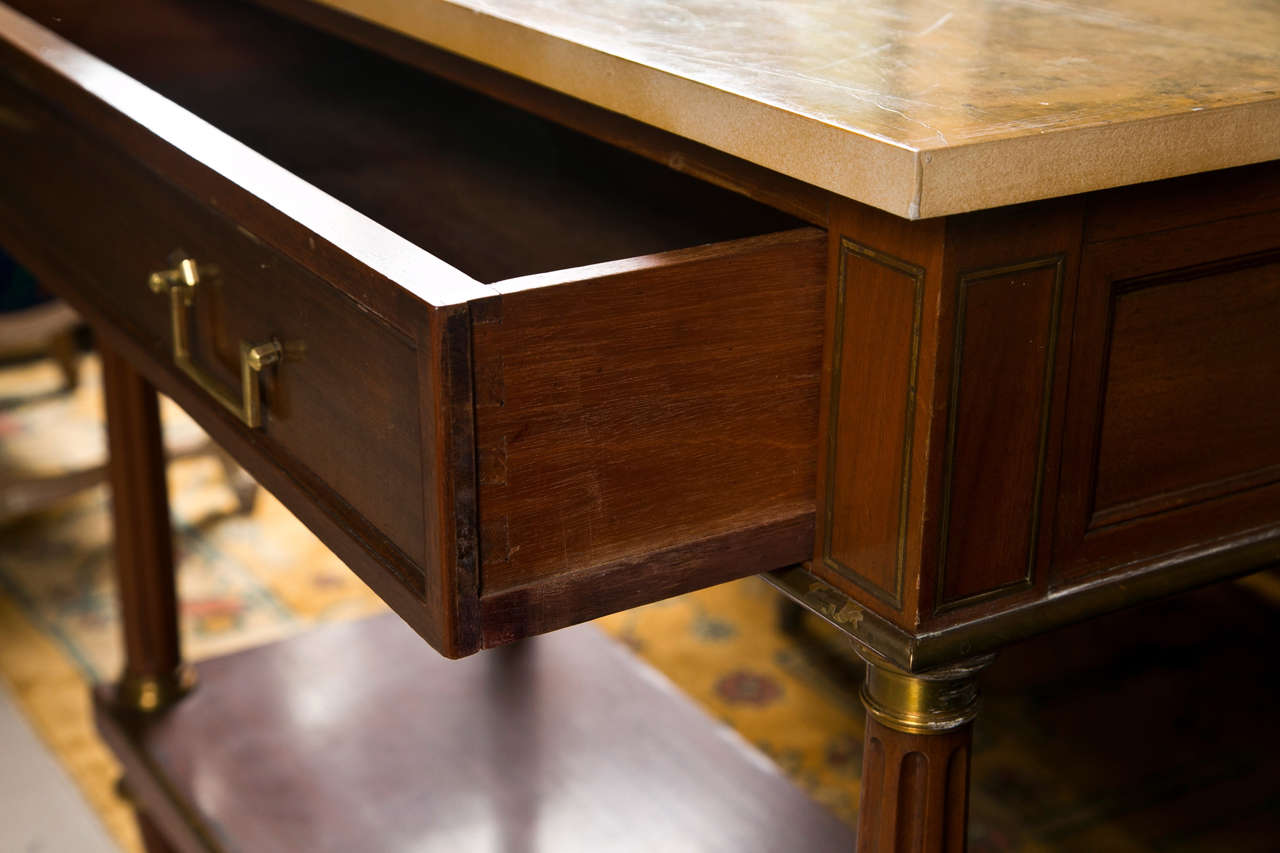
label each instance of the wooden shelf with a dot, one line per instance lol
(360, 737)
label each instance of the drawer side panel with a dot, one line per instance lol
(623, 416)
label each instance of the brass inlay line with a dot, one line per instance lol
(1058, 264)
(916, 275)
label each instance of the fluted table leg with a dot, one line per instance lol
(915, 764)
(154, 673)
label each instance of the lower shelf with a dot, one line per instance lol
(358, 737)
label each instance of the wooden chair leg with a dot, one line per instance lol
(154, 674)
(915, 760)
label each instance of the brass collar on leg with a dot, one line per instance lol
(147, 694)
(923, 703)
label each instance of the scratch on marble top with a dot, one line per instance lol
(941, 136)
(941, 22)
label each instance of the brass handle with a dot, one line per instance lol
(181, 282)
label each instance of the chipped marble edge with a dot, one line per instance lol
(882, 173)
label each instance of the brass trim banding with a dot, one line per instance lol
(912, 652)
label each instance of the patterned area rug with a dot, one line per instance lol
(1150, 732)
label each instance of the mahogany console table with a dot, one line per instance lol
(959, 318)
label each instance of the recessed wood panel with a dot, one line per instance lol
(1173, 433)
(875, 364)
(1191, 409)
(1001, 389)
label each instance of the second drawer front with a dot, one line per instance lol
(343, 402)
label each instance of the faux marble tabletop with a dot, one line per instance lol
(921, 107)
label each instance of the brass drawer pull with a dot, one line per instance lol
(181, 282)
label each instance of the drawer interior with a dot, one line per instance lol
(492, 190)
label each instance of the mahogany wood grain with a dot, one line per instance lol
(143, 544)
(915, 790)
(356, 737)
(622, 413)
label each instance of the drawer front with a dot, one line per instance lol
(1174, 436)
(340, 408)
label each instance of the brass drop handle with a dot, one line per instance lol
(181, 282)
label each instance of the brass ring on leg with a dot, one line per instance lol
(925, 702)
(148, 694)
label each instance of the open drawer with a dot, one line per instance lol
(514, 377)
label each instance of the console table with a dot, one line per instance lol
(957, 318)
